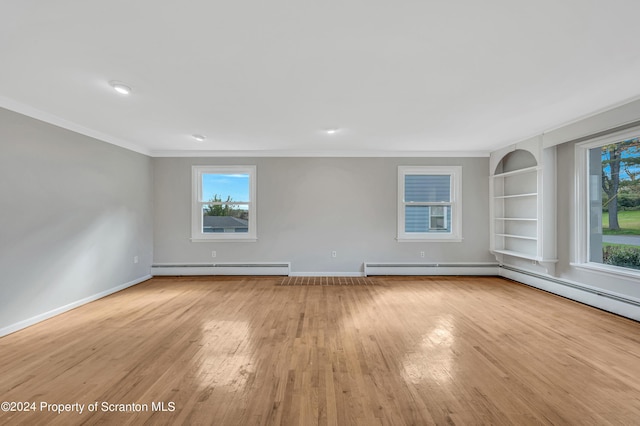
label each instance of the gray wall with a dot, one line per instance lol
(75, 211)
(308, 207)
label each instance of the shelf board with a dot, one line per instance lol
(518, 172)
(525, 256)
(521, 237)
(518, 254)
(525, 219)
(530, 194)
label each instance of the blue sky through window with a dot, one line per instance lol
(235, 185)
(632, 152)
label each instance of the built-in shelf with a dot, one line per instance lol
(517, 254)
(533, 169)
(530, 194)
(525, 256)
(521, 237)
(522, 192)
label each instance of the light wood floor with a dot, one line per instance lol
(404, 351)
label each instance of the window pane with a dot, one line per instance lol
(225, 187)
(427, 219)
(437, 218)
(614, 204)
(225, 218)
(427, 188)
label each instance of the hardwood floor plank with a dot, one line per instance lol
(397, 351)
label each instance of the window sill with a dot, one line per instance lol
(608, 270)
(224, 240)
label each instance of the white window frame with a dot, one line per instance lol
(455, 173)
(196, 204)
(581, 205)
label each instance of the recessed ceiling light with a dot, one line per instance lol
(331, 131)
(120, 87)
(199, 138)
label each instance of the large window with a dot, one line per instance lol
(609, 195)
(429, 203)
(223, 203)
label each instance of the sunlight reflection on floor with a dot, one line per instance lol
(433, 359)
(226, 354)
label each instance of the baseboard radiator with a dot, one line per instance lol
(260, 268)
(617, 303)
(387, 268)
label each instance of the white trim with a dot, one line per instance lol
(223, 268)
(320, 153)
(543, 132)
(444, 268)
(581, 208)
(32, 112)
(327, 274)
(533, 169)
(522, 255)
(620, 136)
(228, 240)
(57, 311)
(592, 114)
(421, 239)
(608, 270)
(619, 304)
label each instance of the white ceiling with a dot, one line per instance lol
(266, 77)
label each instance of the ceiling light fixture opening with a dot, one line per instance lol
(120, 87)
(199, 138)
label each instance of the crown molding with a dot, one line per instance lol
(46, 117)
(316, 153)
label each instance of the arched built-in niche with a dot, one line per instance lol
(522, 222)
(516, 160)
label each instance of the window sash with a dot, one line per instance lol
(198, 232)
(427, 188)
(589, 193)
(420, 218)
(445, 194)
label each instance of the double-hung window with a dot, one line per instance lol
(429, 203)
(608, 203)
(223, 203)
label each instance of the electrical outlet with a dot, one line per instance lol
(135, 259)
(334, 254)
(421, 254)
(214, 254)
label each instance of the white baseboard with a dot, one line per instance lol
(326, 274)
(247, 268)
(380, 268)
(52, 313)
(623, 305)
